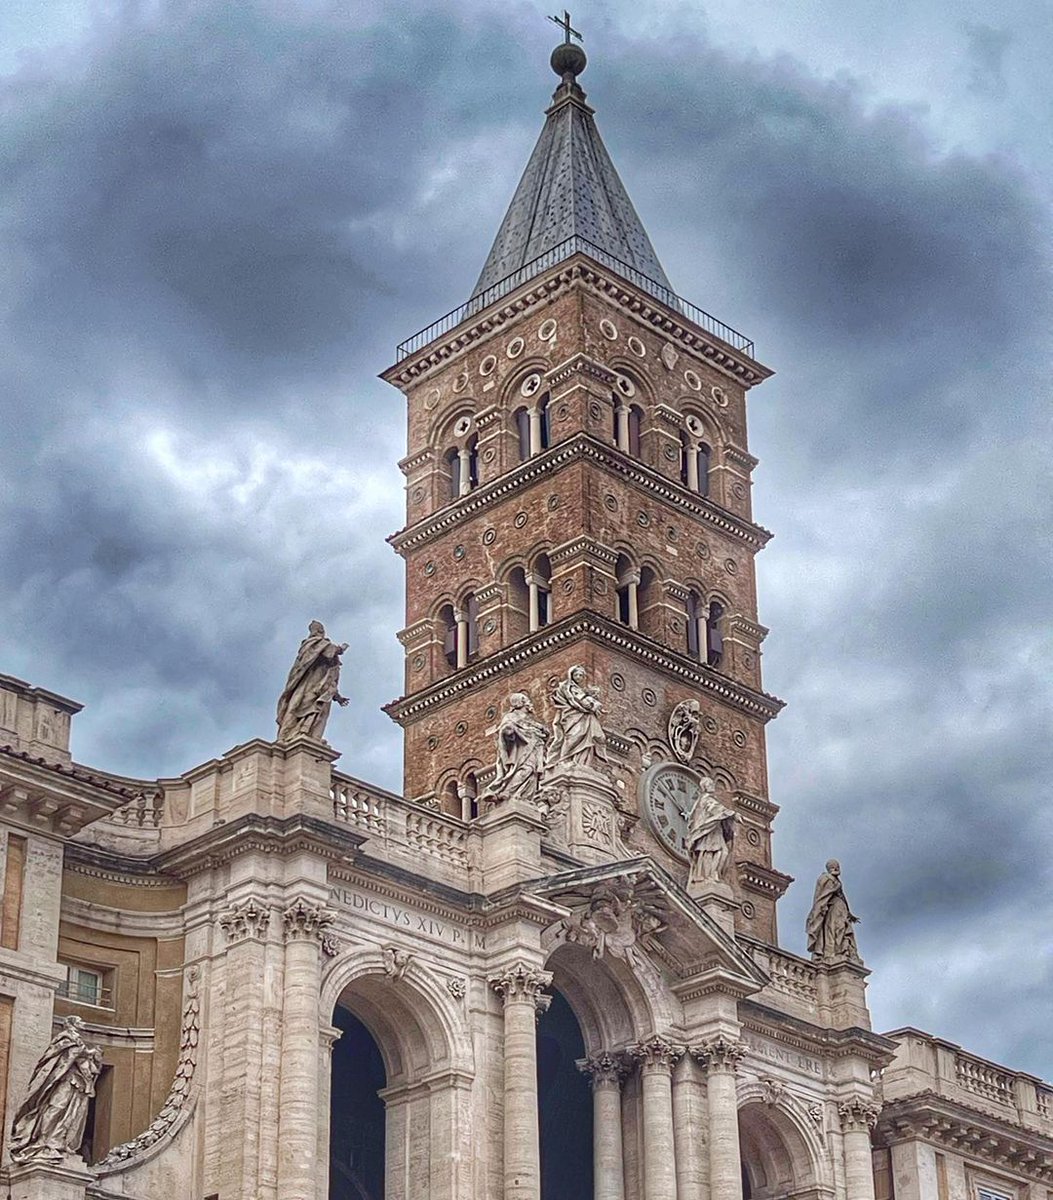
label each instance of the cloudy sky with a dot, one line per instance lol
(216, 221)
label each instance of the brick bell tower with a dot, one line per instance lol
(578, 492)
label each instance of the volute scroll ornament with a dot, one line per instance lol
(657, 1053)
(246, 919)
(523, 982)
(858, 1115)
(720, 1053)
(304, 921)
(605, 1070)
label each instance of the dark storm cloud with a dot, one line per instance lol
(217, 223)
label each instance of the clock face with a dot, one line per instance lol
(667, 792)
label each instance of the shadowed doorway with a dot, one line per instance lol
(564, 1106)
(356, 1137)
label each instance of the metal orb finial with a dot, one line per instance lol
(568, 59)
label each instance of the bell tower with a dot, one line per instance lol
(578, 493)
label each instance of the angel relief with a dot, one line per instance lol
(613, 919)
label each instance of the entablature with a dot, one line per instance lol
(603, 632)
(581, 447)
(579, 270)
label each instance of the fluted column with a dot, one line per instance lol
(858, 1118)
(689, 1130)
(304, 926)
(720, 1056)
(656, 1057)
(606, 1072)
(520, 987)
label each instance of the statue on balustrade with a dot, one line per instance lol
(303, 708)
(830, 934)
(49, 1125)
(578, 739)
(521, 739)
(710, 833)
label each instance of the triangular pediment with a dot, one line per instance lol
(634, 906)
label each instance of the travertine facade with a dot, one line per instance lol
(550, 968)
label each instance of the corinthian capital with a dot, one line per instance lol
(858, 1115)
(605, 1070)
(247, 919)
(522, 981)
(720, 1053)
(656, 1052)
(304, 921)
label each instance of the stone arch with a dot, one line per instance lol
(415, 1022)
(714, 424)
(631, 370)
(419, 1033)
(441, 427)
(510, 397)
(780, 1146)
(615, 1004)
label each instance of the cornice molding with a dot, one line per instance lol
(765, 881)
(970, 1131)
(581, 447)
(578, 271)
(607, 633)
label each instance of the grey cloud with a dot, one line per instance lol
(219, 222)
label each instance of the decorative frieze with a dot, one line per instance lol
(246, 919)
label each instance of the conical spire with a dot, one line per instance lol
(569, 190)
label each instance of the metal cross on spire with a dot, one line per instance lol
(567, 28)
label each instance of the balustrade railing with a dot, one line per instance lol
(558, 254)
(983, 1079)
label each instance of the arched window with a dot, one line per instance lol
(518, 613)
(696, 624)
(648, 615)
(695, 458)
(462, 467)
(628, 599)
(714, 634)
(539, 583)
(532, 428)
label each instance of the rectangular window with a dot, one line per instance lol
(986, 1193)
(14, 872)
(84, 985)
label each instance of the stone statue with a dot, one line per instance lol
(49, 1125)
(521, 742)
(710, 832)
(578, 739)
(614, 918)
(303, 708)
(685, 724)
(830, 934)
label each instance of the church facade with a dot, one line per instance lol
(550, 969)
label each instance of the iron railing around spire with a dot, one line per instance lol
(557, 254)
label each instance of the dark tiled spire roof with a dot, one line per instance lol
(569, 189)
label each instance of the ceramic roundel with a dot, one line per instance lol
(667, 792)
